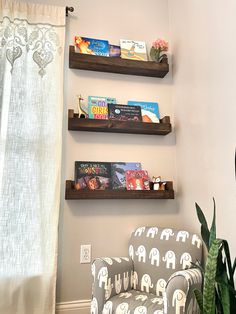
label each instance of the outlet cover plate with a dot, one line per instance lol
(85, 254)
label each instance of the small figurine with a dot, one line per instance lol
(157, 184)
(82, 113)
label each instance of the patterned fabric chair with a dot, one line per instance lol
(157, 278)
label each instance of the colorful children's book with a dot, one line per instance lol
(137, 180)
(124, 112)
(92, 175)
(134, 50)
(114, 51)
(91, 46)
(150, 110)
(97, 106)
(118, 170)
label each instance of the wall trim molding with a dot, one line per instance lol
(73, 305)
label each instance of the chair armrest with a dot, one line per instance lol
(179, 291)
(111, 275)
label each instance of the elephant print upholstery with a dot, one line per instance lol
(182, 236)
(157, 278)
(146, 283)
(186, 260)
(141, 253)
(166, 233)
(154, 256)
(152, 232)
(169, 259)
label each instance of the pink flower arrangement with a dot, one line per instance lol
(158, 46)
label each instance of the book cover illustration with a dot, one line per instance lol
(118, 170)
(134, 50)
(91, 46)
(124, 112)
(92, 175)
(114, 51)
(97, 106)
(150, 110)
(137, 180)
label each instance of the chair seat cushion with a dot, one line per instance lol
(134, 302)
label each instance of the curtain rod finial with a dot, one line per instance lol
(69, 9)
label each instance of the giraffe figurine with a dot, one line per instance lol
(82, 113)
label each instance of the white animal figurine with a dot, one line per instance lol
(82, 113)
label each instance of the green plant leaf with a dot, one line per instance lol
(213, 225)
(224, 292)
(199, 298)
(204, 227)
(229, 265)
(210, 275)
(234, 266)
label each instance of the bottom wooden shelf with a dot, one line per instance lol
(72, 194)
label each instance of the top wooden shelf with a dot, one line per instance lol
(116, 65)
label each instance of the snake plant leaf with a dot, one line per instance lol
(234, 266)
(199, 298)
(210, 275)
(213, 225)
(224, 291)
(204, 227)
(229, 265)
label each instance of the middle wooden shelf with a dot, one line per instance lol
(115, 126)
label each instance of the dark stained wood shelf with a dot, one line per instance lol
(115, 126)
(116, 65)
(72, 194)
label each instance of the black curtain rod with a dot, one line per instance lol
(69, 9)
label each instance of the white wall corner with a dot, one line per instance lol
(73, 307)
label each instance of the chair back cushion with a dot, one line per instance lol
(159, 252)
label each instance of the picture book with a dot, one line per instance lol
(92, 175)
(114, 51)
(118, 170)
(150, 110)
(124, 112)
(91, 46)
(97, 106)
(137, 180)
(134, 50)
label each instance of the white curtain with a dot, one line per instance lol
(31, 106)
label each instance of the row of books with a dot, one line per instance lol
(128, 49)
(110, 175)
(107, 108)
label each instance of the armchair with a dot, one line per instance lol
(156, 278)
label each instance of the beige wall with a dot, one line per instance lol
(204, 80)
(107, 224)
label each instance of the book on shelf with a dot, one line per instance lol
(114, 51)
(97, 106)
(137, 180)
(124, 112)
(118, 170)
(150, 110)
(134, 50)
(92, 175)
(91, 46)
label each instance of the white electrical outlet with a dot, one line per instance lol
(85, 253)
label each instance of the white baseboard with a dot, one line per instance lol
(74, 307)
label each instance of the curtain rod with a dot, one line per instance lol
(69, 9)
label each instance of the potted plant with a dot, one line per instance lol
(219, 295)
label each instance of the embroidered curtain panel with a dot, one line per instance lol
(31, 106)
